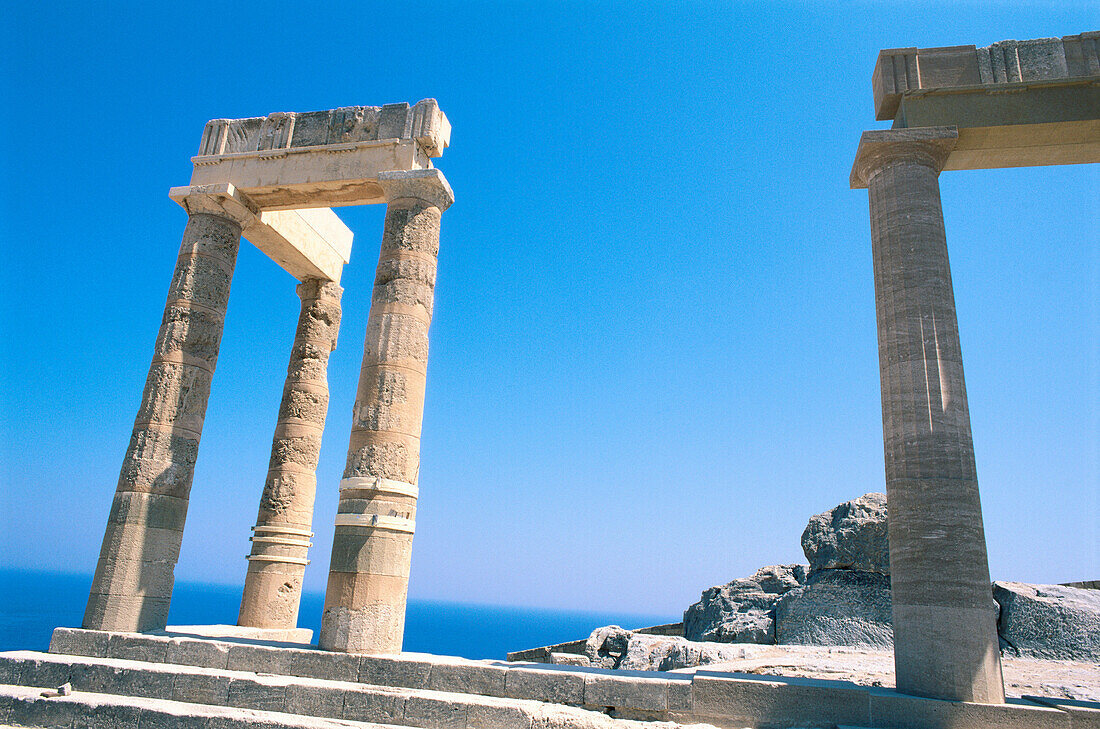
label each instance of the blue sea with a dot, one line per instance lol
(32, 604)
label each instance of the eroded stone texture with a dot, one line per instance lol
(280, 543)
(851, 536)
(1049, 621)
(742, 611)
(945, 638)
(134, 575)
(372, 548)
(837, 607)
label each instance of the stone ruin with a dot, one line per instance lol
(842, 598)
(273, 180)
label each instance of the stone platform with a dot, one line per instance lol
(128, 680)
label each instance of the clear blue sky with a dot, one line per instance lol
(653, 354)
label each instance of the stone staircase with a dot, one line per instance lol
(177, 681)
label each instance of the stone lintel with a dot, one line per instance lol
(900, 71)
(320, 159)
(424, 123)
(308, 244)
(930, 146)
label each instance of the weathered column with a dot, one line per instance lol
(280, 541)
(945, 635)
(134, 576)
(372, 548)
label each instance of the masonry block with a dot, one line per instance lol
(201, 688)
(384, 671)
(260, 659)
(203, 653)
(480, 716)
(108, 715)
(558, 687)
(468, 678)
(891, 710)
(42, 712)
(77, 642)
(434, 713)
(374, 706)
(314, 700)
(251, 694)
(324, 665)
(680, 695)
(134, 647)
(736, 702)
(1083, 714)
(626, 691)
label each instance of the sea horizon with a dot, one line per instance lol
(33, 602)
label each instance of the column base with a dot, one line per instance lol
(948, 653)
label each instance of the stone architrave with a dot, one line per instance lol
(135, 573)
(944, 617)
(280, 541)
(372, 547)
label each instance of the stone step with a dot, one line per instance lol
(294, 695)
(25, 706)
(566, 697)
(629, 694)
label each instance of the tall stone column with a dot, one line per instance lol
(280, 542)
(372, 548)
(134, 576)
(945, 634)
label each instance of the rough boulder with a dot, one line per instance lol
(1049, 621)
(851, 536)
(837, 607)
(613, 647)
(742, 611)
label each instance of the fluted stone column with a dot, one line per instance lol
(134, 577)
(280, 541)
(372, 548)
(945, 635)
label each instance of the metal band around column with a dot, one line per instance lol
(381, 485)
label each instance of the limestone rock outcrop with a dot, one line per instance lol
(1049, 621)
(851, 536)
(837, 607)
(742, 611)
(614, 647)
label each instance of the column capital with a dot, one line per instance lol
(223, 200)
(928, 146)
(428, 185)
(319, 288)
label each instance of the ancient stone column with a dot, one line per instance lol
(134, 576)
(280, 541)
(945, 634)
(372, 548)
